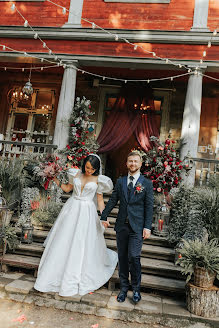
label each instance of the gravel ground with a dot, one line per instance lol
(41, 317)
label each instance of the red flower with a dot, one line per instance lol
(177, 163)
(68, 147)
(167, 142)
(83, 143)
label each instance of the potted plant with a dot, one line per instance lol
(201, 259)
(8, 238)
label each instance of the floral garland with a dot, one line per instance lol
(81, 138)
(163, 166)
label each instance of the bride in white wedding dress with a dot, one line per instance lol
(76, 259)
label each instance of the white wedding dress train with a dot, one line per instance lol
(76, 259)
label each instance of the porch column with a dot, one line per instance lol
(191, 123)
(66, 102)
(200, 18)
(75, 13)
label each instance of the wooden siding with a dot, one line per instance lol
(185, 52)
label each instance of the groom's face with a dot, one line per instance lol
(133, 163)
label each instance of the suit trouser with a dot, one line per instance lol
(129, 244)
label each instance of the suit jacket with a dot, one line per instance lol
(138, 208)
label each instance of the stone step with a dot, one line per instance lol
(155, 266)
(148, 281)
(157, 283)
(40, 235)
(148, 251)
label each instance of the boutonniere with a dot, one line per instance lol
(139, 188)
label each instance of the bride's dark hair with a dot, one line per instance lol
(95, 162)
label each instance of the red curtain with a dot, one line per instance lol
(126, 119)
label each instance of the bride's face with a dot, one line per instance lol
(89, 170)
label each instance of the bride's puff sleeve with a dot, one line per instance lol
(105, 184)
(72, 174)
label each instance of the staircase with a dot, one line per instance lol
(158, 269)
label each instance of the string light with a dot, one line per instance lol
(125, 81)
(123, 39)
(64, 10)
(209, 44)
(116, 37)
(148, 81)
(41, 68)
(201, 61)
(13, 7)
(50, 52)
(167, 61)
(35, 36)
(5, 68)
(56, 57)
(171, 78)
(4, 48)
(154, 54)
(44, 44)
(25, 23)
(103, 78)
(42, 60)
(135, 47)
(204, 53)
(22, 69)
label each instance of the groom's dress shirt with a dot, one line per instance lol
(136, 177)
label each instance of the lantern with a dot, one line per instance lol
(28, 89)
(162, 220)
(27, 232)
(188, 162)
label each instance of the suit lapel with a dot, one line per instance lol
(125, 188)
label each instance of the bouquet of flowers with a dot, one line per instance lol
(48, 169)
(162, 165)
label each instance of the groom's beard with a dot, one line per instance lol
(133, 170)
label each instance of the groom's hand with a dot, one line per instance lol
(146, 233)
(106, 224)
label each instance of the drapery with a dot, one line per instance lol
(126, 119)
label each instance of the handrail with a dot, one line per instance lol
(205, 168)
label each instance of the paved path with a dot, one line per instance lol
(153, 310)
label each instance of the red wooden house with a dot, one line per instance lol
(93, 48)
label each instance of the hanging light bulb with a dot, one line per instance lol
(116, 37)
(3, 47)
(44, 44)
(209, 44)
(135, 47)
(215, 33)
(93, 25)
(42, 59)
(171, 78)
(154, 54)
(167, 61)
(64, 10)
(25, 23)
(201, 61)
(13, 7)
(148, 81)
(180, 66)
(28, 89)
(5, 68)
(35, 36)
(204, 53)
(41, 68)
(125, 81)
(50, 52)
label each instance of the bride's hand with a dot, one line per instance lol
(106, 224)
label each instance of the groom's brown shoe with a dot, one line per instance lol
(121, 297)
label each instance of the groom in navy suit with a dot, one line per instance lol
(133, 223)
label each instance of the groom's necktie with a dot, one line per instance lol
(130, 185)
